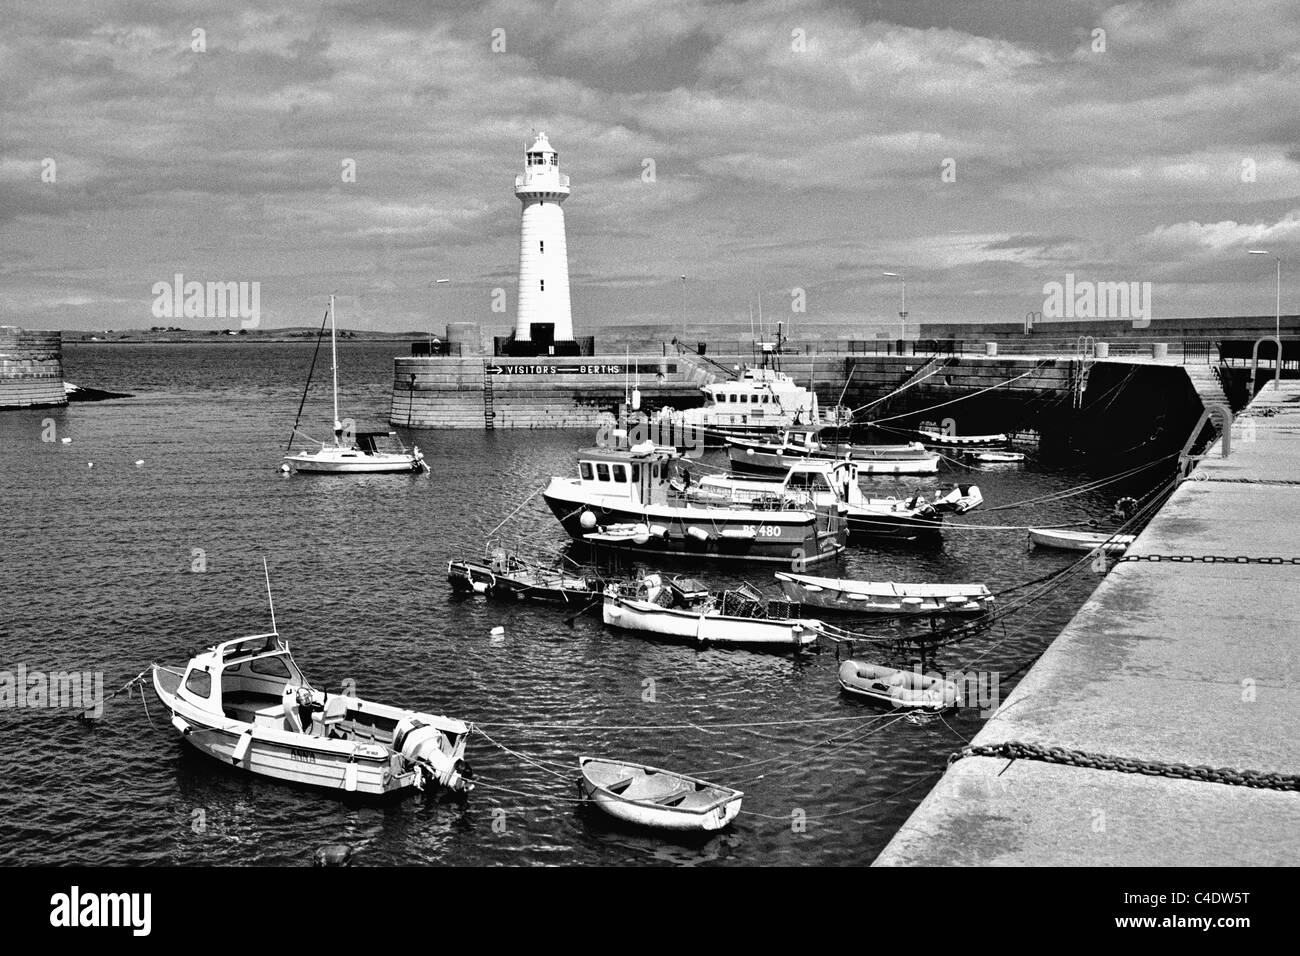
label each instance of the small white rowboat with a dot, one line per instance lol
(884, 597)
(996, 457)
(650, 797)
(895, 688)
(1079, 540)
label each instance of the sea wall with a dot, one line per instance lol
(31, 368)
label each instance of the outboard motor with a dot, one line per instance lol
(424, 746)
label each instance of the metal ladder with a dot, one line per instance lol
(1085, 357)
(489, 411)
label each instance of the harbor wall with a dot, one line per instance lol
(31, 368)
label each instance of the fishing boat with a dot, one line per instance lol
(504, 575)
(759, 402)
(650, 797)
(792, 446)
(627, 499)
(739, 617)
(246, 703)
(827, 483)
(907, 690)
(351, 452)
(1079, 540)
(996, 457)
(884, 597)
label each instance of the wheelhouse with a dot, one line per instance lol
(638, 474)
(242, 674)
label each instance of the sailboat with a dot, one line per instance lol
(351, 452)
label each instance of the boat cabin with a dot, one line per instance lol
(640, 473)
(240, 677)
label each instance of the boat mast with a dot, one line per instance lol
(334, 361)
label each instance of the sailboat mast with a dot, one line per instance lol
(334, 361)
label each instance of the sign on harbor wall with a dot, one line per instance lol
(588, 368)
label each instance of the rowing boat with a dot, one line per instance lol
(650, 797)
(1079, 540)
(884, 597)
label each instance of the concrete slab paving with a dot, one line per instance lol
(1191, 663)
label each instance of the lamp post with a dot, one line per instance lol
(902, 310)
(683, 310)
(1278, 320)
(435, 283)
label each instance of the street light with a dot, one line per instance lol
(902, 311)
(1278, 327)
(435, 283)
(683, 310)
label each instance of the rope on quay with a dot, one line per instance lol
(1018, 750)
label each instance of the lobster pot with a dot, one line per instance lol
(782, 609)
(737, 605)
(664, 598)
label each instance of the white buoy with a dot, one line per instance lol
(139, 463)
(90, 464)
(284, 469)
(65, 441)
(587, 519)
(498, 631)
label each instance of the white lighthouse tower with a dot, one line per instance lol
(544, 315)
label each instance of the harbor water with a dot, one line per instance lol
(142, 539)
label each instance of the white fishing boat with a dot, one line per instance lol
(907, 690)
(825, 483)
(884, 597)
(740, 617)
(352, 452)
(627, 499)
(792, 446)
(1079, 540)
(996, 457)
(246, 703)
(650, 797)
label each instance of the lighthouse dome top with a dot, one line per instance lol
(541, 145)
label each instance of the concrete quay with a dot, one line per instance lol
(1190, 663)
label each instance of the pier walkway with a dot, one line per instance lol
(1167, 663)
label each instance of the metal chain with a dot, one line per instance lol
(1014, 750)
(1207, 559)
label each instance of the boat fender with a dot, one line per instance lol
(588, 520)
(350, 774)
(181, 725)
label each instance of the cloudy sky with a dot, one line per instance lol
(794, 145)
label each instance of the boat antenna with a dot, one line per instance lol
(270, 600)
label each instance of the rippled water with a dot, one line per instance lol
(95, 570)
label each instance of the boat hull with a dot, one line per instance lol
(1079, 540)
(901, 690)
(757, 461)
(708, 628)
(722, 804)
(795, 538)
(345, 766)
(469, 577)
(871, 597)
(362, 465)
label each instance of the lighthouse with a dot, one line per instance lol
(544, 316)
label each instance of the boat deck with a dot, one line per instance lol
(1190, 663)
